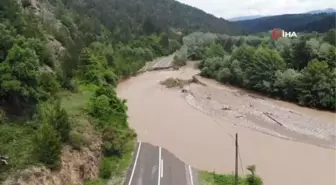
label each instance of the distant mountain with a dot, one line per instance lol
(328, 10)
(242, 18)
(319, 25)
(251, 17)
(320, 22)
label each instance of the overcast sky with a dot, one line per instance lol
(236, 8)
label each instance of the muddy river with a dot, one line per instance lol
(290, 145)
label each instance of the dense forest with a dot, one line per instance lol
(60, 62)
(159, 14)
(301, 69)
(290, 22)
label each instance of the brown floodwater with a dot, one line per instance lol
(198, 127)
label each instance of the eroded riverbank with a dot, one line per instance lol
(263, 114)
(200, 134)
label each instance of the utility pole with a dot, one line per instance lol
(236, 160)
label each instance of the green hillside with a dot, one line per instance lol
(163, 14)
(60, 61)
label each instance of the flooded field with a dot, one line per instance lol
(289, 144)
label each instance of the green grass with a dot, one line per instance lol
(16, 141)
(210, 178)
(116, 167)
(95, 182)
(74, 103)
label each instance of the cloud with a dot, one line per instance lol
(235, 8)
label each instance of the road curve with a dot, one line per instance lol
(153, 165)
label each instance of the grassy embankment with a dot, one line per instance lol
(113, 167)
(211, 178)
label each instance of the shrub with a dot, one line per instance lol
(106, 168)
(206, 72)
(100, 107)
(115, 140)
(111, 78)
(58, 118)
(252, 179)
(48, 145)
(95, 182)
(76, 141)
(49, 83)
(223, 75)
(106, 105)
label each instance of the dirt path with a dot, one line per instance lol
(197, 130)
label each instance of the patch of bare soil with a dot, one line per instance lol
(198, 127)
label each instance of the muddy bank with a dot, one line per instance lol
(262, 114)
(201, 133)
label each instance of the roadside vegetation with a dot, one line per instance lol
(59, 69)
(211, 178)
(300, 70)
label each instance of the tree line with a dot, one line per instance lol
(300, 70)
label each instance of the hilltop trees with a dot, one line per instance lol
(300, 70)
(58, 46)
(330, 37)
(260, 71)
(20, 88)
(316, 86)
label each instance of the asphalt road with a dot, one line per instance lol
(165, 62)
(153, 165)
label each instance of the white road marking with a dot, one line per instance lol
(140, 176)
(135, 162)
(161, 168)
(191, 177)
(186, 169)
(159, 174)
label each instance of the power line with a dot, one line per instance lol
(241, 162)
(240, 158)
(231, 136)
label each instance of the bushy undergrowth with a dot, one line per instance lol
(48, 57)
(109, 113)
